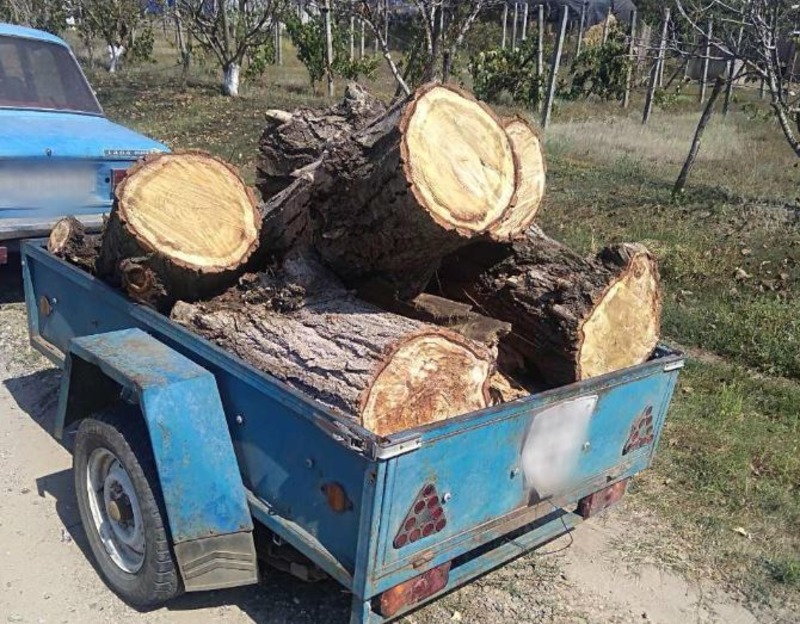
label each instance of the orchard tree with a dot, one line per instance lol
(49, 15)
(121, 24)
(761, 35)
(440, 27)
(230, 30)
(309, 39)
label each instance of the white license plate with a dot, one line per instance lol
(556, 438)
(31, 187)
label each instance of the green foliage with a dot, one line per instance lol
(259, 58)
(506, 74)
(601, 70)
(48, 15)
(309, 40)
(120, 22)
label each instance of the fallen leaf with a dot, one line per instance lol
(741, 531)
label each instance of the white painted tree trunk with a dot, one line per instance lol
(230, 80)
(115, 53)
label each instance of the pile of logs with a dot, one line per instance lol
(393, 270)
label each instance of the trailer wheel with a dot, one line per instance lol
(121, 507)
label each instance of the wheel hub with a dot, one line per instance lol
(115, 510)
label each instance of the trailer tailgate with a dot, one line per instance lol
(476, 478)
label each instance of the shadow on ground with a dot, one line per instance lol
(11, 281)
(277, 598)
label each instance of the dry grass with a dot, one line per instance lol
(664, 141)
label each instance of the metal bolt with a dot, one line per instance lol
(55, 301)
(515, 472)
(239, 419)
(446, 497)
(586, 446)
(309, 463)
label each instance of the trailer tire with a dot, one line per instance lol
(122, 509)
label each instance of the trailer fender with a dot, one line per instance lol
(204, 497)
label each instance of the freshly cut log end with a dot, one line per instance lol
(503, 389)
(182, 227)
(531, 171)
(623, 328)
(191, 208)
(68, 240)
(428, 378)
(572, 318)
(65, 235)
(458, 159)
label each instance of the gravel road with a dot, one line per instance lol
(47, 575)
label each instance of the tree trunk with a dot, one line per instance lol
(182, 227)
(572, 318)
(694, 150)
(291, 141)
(230, 79)
(386, 372)
(69, 240)
(423, 180)
(115, 53)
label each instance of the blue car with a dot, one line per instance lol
(58, 152)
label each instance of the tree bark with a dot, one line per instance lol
(386, 372)
(572, 318)
(182, 227)
(291, 141)
(428, 308)
(69, 240)
(419, 182)
(694, 150)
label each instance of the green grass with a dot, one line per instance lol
(728, 470)
(729, 252)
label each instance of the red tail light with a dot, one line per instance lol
(414, 591)
(595, 503)
(117, 176)
(425, 517)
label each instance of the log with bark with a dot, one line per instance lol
(69, 240)
(572, 318)
(182, 226)
(386, 372)
(291, 141)
(435, 172)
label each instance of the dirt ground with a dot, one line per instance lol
(596, 575)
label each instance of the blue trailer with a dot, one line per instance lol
(190, 465)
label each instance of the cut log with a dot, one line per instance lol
(182, 227)
(433, 173)
(528, 150)
(386, 372)
(572, 318)
(291, 141)
(69, 240)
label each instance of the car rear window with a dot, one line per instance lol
(42, 75)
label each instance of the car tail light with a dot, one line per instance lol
(425, 517)
(415, 590)
(603, 499)
(117, 176)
